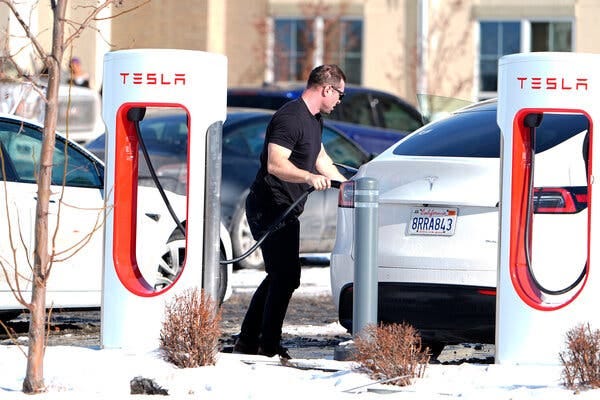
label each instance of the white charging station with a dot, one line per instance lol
(531, 323)
(132, 311)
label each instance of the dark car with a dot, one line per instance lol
(388, 117)
(165, 135)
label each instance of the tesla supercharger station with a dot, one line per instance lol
(132, 311)
(532, 321)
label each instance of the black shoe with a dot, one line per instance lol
(242, 347)
(270, 352)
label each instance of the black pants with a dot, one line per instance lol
(266, 312)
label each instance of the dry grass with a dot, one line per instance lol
(581, 360)
(190, 333)
(392, 353)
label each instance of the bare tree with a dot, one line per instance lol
(446, 39)
(307, 41)
(64, 33)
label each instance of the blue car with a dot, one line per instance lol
(372, 118)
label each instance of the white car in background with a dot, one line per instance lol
(79, 113)
(438, 232)
(77, 208)
(79, 108)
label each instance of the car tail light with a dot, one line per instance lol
(487, 292)
(559, 200)
(346, 195)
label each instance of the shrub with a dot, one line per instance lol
(581, 360)
(392, 353)
(190, 332)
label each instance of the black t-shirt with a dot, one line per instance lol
(295, 128)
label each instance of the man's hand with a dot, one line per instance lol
(319, 182)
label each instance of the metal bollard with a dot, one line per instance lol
(366, 225)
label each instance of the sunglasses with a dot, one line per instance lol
(339, 92)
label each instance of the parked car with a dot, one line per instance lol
(440, 276)
(243, 138)
(79, 108)
(77, 208)
(79, 113)
(388, 117)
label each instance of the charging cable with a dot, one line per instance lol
(277, 224)
(532, 121)
(135, 115)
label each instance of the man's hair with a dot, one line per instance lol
(327, 74)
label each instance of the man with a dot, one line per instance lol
(78, 76)
(293, 159)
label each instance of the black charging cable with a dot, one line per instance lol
(277, 224)
(532, 121)
(135, 115)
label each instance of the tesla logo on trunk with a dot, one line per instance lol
(431, 180)
(152, 78)
(552, 83)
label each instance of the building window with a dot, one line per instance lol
(498, 38)
(343, 46)
(292, 43)
(302, 44)
(551, 36)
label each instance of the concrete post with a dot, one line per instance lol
(366, 225)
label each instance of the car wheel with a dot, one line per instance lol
(172, 260)
(242, 240)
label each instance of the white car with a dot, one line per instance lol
(79, 108)
(79, 113)
(77, 209)
(439, 192)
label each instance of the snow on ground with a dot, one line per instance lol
(87, 373)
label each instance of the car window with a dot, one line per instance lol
(167, 133)
(23, 145)
(469, 134)
(7, 169)
(263, 100)
(245, 139)
(395, 116)
(556, 128)
(476, 134)
(355, 108)
(341, 150)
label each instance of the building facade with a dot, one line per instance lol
(446, 48)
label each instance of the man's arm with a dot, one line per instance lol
(279, 164)
(326, 167)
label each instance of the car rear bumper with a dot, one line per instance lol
(441, 313)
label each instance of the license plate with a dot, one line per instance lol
(432, 221)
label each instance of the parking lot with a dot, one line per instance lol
(311, 329)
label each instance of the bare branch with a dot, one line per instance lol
(28, 79)
(124, 12)
(14, 286)
(34, 42)
(77, 246)
(12, 337)
(93, 16)
(15, 289)
(79, 27)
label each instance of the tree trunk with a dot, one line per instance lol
(34, 378)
